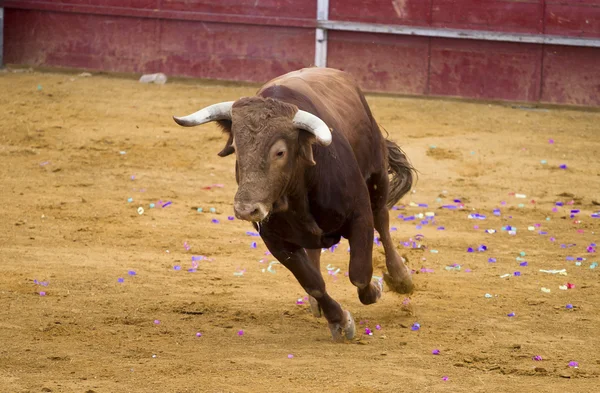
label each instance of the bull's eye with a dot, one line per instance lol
(280, 154)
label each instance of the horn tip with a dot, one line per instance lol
(180, 121)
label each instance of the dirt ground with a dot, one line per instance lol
(80, 155)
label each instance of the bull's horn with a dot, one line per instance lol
(314, 125)
(220, 111)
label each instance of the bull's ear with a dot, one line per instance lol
(305, 142)
(225, 125)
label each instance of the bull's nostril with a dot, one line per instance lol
(255, 212)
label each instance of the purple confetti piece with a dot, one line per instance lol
(573, 364)
(492, 260)
(230, 218)
(131, 273)
(377, 327)
(42, 293)
(451, 207)
(416, 326)
(240, 332)
(537, 358)
(435, 352)
(176, 267)
(393, 229)
(198, 334)
(290, 356)
(214, 221)
(156, 322)
(512, 314)
(563, 166)
(121, 280)
(368, 332)
(167, 204)
(569, 306)
(192, 270)
(470, 249)
(517, 274)
(445, 378)
(441, 228)
(482, 248)
(253, 245)
(524, 263)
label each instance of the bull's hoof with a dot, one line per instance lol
(370, 294)
(344, 331)
(404, 286)
(314, 307)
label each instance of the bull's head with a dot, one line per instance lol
(272, 141)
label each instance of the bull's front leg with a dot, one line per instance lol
(360, 237)
(309, 276)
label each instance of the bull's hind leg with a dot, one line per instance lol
(398, 277)
(296, 260)
(314, 255)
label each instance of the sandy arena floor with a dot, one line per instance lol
(80, 155)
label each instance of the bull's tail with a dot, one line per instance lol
(403, 173)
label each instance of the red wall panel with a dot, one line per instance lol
(571, 75)
(279, 8)
(524, 16)
(573, 19)
(381, 62)
(490, 70)
(122, 44)
(410, 12)
(78, 40)
(222, 51)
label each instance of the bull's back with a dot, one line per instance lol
(338, 100)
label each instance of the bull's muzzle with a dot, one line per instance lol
(255, 212)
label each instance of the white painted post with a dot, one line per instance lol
(321, 34)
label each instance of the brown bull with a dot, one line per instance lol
(312, 166)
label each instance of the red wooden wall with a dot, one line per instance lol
(250, 40)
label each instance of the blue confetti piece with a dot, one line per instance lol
(512, 314)
(253, 245)
(214, 221)
(416, 326)
(131, 273)
(176, 267)
(492, 260)
(230, 218)
(470, 249)
(523, 263)
(441, 228)
(121, 280)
